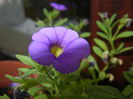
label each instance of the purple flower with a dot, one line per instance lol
(60, 47)
(13, 84)
(58, 6)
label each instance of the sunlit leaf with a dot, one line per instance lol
(125, 49)
(26, 60)
(120, 47)
(102, 27)
(101, 44)
(85, 34)
(61, 22)
(102, 35)
(97, 51)
(124, 34)
(112, 18)
(14, 79)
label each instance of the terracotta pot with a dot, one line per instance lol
(9, 67)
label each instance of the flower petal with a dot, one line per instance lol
(40, 52)
(80, 48)
(66, 64)
(69, 61)
(60, 33)
(49, 33)
(41, 38)
(69, 37)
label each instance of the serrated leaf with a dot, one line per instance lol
(128, 91)
(125, 50)
(61, 22)
(102, 35)
(14, 79)
(101, 44)
(97, 51)
(26, 60)
(124, 34)
(102, 27)
(85, 34)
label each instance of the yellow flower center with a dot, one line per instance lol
(56, 50)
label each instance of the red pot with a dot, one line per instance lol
(9, 67)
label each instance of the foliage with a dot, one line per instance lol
(52, 18)
(45, 82)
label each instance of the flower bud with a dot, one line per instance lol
(110, 76)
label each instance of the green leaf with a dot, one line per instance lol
(24, 69)
(4, 97)
(128, 91)
(33, 91)
(112, 18)
(101, 15)
(97, 51)
(102, 35)
(102, 75)
(125, 50)
(120, 47)
(55, 14)
(101, 44)
(61, 22)
(29, 83)
(102, 27)
(41, 96)
(128, 76)
(26, 60)
(40, 23)
(14, 79)
(104, 92)
(32, 71)
(85, 34)
(47, 14)
(124, 34)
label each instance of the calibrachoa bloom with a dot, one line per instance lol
(60, 47)
(58, 6)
